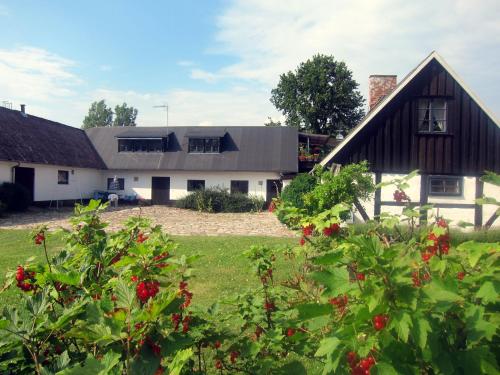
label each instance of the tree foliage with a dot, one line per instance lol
(124, 115)
(99, 115)
(320, 96)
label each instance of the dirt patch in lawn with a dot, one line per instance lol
(173, 220)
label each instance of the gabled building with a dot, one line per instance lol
(432, 122)
(56, 162)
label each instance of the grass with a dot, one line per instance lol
(222, 270)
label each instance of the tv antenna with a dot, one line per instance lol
(165, 106)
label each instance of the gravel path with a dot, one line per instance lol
(173, 220)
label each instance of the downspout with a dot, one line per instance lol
(13, 172)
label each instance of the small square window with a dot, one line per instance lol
(136, 179)
(116, 183)
(63, 177)
(193, 185)
(432, 115)
(445, 186)
(239, 186)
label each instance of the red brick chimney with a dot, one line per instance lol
(380, 86)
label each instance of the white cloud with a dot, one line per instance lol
(105, 68)
(372, 36)
(187, 63)
(203, 75)
(28, 74)
(4, 11)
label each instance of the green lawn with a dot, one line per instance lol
(222, 270)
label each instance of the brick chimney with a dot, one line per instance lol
(380, 86)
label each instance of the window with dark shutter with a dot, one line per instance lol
(193, 185)
(239, 186)
(204, 145)
(432, 115)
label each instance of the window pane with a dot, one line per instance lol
(424, 104)
(196, 145)
(452, 186)
(239, 186)
(423, 120)
(116, 184)
(437, 186)
(193, 185)
(212, 145)
(62, 177)
(438, 104)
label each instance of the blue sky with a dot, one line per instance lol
(215, 62)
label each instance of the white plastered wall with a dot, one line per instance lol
(490, 190)
(82, 181)
(178, 181)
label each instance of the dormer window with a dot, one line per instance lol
(141, 145)
(204, 145)
(432, 115)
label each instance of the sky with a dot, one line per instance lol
(215, 62)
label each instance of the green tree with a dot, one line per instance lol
(99, 115)
(320, 96)
(124, 115)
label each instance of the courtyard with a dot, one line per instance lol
(174, 221)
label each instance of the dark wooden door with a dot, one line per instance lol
(26, 178)
(160, 190)
(273, 187)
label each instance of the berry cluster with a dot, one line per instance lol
(21, 276)
(439, 245)
(290, 332)
(332, 229)
(186, 293)
(233, 356)
(147, 289)
(272, 207)
(400, 196)
(269, 305)
(141, 237)
(359, 366)
(308, 230)
(39, 238)
(380, 321)
(340, 302)
(417, 279)
(159, 258)
(360, 276)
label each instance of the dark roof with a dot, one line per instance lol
(133, 132)
(32, 139)
(244, 148)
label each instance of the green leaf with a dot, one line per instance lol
(313, 310)
(475, 250)
(328, 259)
(402, 322)
(421, 330)
(327, 346)
(439, 292)
(336, 281)
(488, 291)
(68, 278)
(179, 361)
(125, 295)
(384, 368)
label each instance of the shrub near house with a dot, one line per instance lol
(368, 303)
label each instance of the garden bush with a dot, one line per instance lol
(220, 200)
(14, 196)
(293, 193)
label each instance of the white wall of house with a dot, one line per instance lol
(139, 182)
(454, 214)
(82, 181)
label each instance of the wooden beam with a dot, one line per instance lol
(361, 210)
(378, 194)
(490, 221)
(478, 209)
(424, 195)
(435, 205)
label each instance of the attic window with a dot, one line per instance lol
(204, 145)
(432, 115)
(142, 145)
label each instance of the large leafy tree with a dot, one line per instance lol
(124, 115)
(99, 115)
(320, 96)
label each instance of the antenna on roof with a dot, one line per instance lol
(163, 106)
(7, 104)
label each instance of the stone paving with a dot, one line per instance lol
(173, 220)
